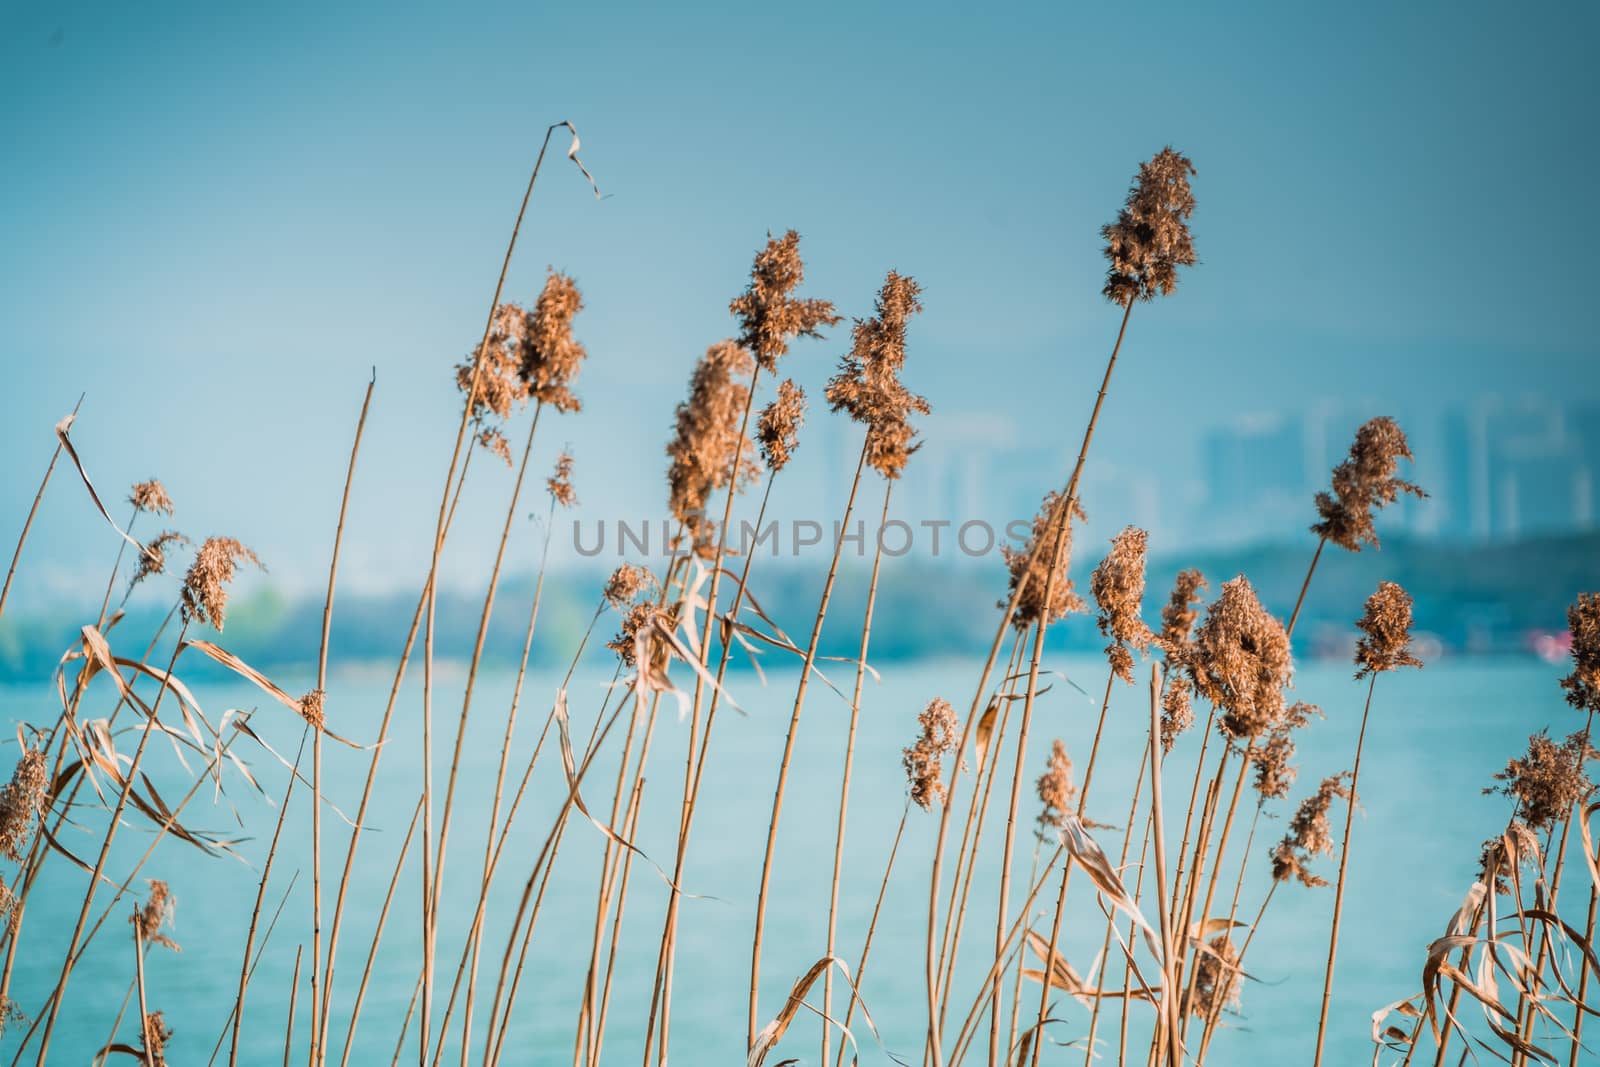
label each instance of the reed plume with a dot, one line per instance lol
(1363, 483)
(778, 426)
(1548, 779)
(1117, 586)
(1504, 854)
(1030, 568)
(559, 484)
(153, 560)
(1241, 661)
(1056, 792)
(548, 357)
(1273, 767)
(489, 376)
(23, 801)
(156, 915)
(707, 449)
(868, 386)
(1583, 684)
(924, 759)
(769, 316)
(1310, 833)
(150, 497)
(205, 586)
(1176, 640)
(1217, 978)
(1150, 238)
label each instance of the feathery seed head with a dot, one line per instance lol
(769, 316)
(1274, 773)
(22, 800)
(205, 586)
(1499, 862)
(1150, 239)
(1583, 684)
(1386, 632)
(1118, 588)
(624, 643)
(868, 385)
(1363, 483)
(707, 446)
(1216, 978)
(497, 387)
(495, 442)
(1056, 791)
(1548, 780)
(778, 427)
(625, 584)
(1182, 610)
(311, 708)
(560, 482)
(153, 560)
(156, 915)
(156, 1036)
(1050, 529)
(549, 358)
(1240, 661)
(151, 497)
(923, 760)
(1310, 833)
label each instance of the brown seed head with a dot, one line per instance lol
(549, 356)
(498, 387)
(868, 383)
(495, 442)
(1549, 780)
(769, 315)
(707, 442)
(153, 560)
(22, 800)
(156, 915)
(1274, 773)
(1182, 610)
(560, 482)
(623, 644)
(625, 583)
(1118, 588)
(1310, 833)
(1583, 684)
(778, 428)
(1048, 532)
(150, 497)
(1364, 483)
(1150, 239)
(1386, 632)
(1499, 863)
(1177, 710)
(1216, 978)
(205, 586)
(311, 708)
(1056, 791)
(923, 759)
(1240, 661)
(156, 1036)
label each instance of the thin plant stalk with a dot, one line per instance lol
(1065, 508)
(1105, 947)
(144, 1007)
(429, 915)
(661, 993)
(377, 936)
(965, 867)
(788, 754)
(844, 786)
(105, 849)
(27, 524)
(261, 892)
(294, 995)
(1344, 862)
(872, 927)
(316, 1051)
(1169, 1006)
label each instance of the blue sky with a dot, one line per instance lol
(217, 219)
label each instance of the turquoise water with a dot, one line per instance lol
(1436, 737)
